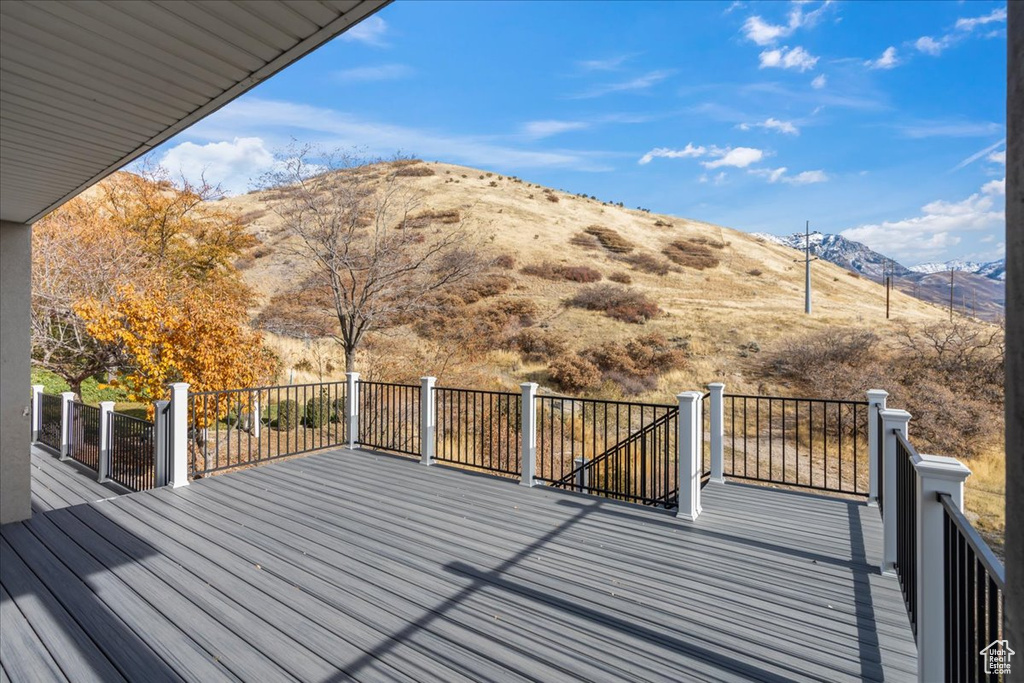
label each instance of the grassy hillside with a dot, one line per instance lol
(731, 310)
(754, 294)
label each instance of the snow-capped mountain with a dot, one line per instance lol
(981, 284)
(995, 270)
(841, 251)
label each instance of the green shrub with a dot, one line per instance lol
(318, 410)
(288, 414)
(52, 384)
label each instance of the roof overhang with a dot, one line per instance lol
(87, 86)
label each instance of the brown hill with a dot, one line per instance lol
(721, 289)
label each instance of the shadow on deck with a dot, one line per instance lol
(361, 566)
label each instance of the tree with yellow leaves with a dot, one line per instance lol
(138, 274)
(169, 333)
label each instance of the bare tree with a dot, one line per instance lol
(76, 255)
(351, 218)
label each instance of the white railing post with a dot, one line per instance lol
(717, 391)
(876, 403)
(37, 410)
(427, 420)
(935, 475)
(66, 399)
(103, 470)
(892, 421)
(528, 423)
(179, 434)
(352, 408)
(161, 442)
(688, 456)
(257, 419)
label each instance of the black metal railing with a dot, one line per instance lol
(906, 525)
(614, 449)
(879, 456)
(478, 429)
(239, 427)
(974, 583)
(389, 417)
(51, 420)
(130, 451)
(802, 442)
(84, 434)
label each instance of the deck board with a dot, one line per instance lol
(362, 566)
(59, 483)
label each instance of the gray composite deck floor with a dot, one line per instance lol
(59, 484)
(360, 566)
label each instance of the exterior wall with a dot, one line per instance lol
(1015, 328)
(15, 361)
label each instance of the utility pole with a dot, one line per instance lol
(951, 271)
(807, 268)
(886, 268)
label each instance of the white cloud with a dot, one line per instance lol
(969, 24)
(609, 64)
(963, 29)
(779, 175)
(229, 164)
(992, 155)
(278, 122)
(887, 60)
(786, 127)
(739, 157)
(543, 129)
(369, 31)
(997, 157)
(807, 178)
(761, 32)
(764, 33)
(786, 58)
(819, 82)
(930, 46)
(665, 153)
(941, 225)
(949, 129)
(639, 83)
(368, 74)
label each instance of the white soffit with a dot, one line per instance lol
(87, 86)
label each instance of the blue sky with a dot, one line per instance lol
(883, 121)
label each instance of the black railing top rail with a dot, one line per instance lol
(479, 391)
(841, 401)
(249, 390)
(988, 558)
(907, 446)
(132, 418)
(79, 405)
(592, 464)
(605, 401)
(389, 384)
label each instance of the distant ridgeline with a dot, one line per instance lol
(978, 288)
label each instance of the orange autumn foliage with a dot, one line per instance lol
(195, 336)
